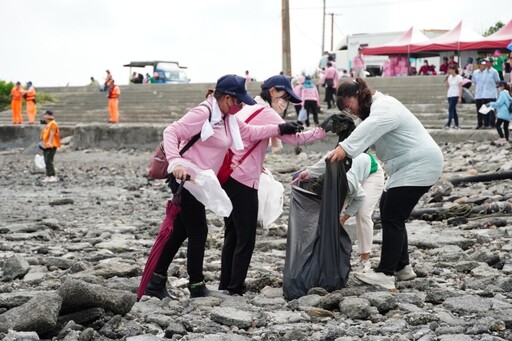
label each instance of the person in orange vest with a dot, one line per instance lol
(16, 103)
(113, 102)
(50, 141)
(30, 99)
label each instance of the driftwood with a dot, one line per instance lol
(464, 210)
(481, 178)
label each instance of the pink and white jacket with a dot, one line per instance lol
(208, 154)
(248, 173)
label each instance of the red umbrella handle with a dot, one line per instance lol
(180, 187)
(177, 196)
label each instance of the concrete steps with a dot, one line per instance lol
(163, 103)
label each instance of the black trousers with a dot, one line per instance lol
(505, 128)
(396, 205)
(239, 237)
(330, 91)
(311, 107)
(485, 120)
(49, 154)
(297, 109)
(190, 223)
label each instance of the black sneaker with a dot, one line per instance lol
(198, 290)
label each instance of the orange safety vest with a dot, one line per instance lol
(31, 94)
(17, 93)
(46, 132)
(114, 92)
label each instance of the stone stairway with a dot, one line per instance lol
(163, 103)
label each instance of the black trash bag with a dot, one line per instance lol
(318, 248)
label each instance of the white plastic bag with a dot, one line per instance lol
(271, 198)
(206, 189)
(39, 161)
(303, 115)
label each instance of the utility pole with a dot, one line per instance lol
(323, 30)
(285, 17)
(332, 28)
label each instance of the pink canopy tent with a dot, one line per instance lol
(400, 45)
(497, 40)
(461, 37)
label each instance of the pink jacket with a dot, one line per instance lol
(208, 154)
(331, 73)
(358, 62)
(310, 94)
(248, 173)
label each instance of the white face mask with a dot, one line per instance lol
(279, 105)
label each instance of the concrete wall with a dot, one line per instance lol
(22, 136)
(147, 136)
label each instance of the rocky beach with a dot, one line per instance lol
(72, 254)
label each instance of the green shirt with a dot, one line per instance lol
(498, 64)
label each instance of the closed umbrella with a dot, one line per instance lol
(173, 208)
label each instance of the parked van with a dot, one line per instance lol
(162, 71)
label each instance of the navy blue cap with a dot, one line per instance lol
(234, 85)
(48, 112)
(281, 82)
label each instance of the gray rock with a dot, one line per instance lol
(39, 314)
(21, 336)
(330, 301)
(420, 318)
(175, 328)
(355, 308)
(383, 301)
(467, 304)
(15, 267)
(78, 295)
(83, 317)
(232, 317)
(60, 262)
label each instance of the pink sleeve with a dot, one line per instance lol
(304, 137)
(336, 78)
(268, 115)
(317, 96)
(181, 131)
(255, 133)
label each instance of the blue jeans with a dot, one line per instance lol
(452, 111)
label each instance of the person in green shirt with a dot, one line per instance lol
(498, 63)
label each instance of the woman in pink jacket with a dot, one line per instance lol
(242, 186)
(310, 100)
(220, 129)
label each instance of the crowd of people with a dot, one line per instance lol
(230, 120)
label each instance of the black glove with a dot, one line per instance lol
(290, 128)
(327, 124)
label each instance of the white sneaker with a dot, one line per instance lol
(406, 274)
(47, 179)
(376, 278)
(51, 179)
(366, 265)
(362, 265)
(500, 141)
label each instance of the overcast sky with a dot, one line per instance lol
(59, 42)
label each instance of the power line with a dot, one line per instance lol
(305, 34)
(362, 5)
